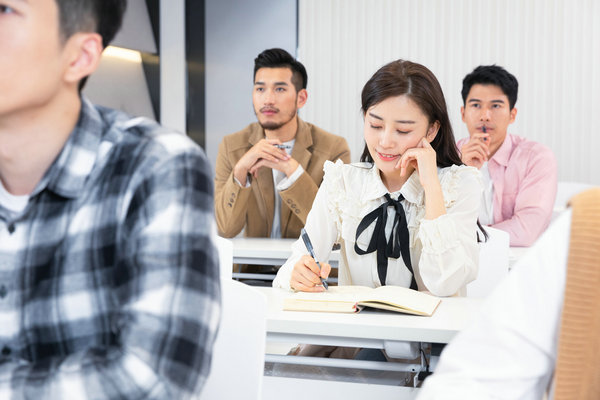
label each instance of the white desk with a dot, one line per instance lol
(367, 328)
(266, 251)
(261, 251)
(371, 329)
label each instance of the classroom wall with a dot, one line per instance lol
(119, 82)
(551, 46)
(236, 32)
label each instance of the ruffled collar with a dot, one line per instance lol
(411, 190)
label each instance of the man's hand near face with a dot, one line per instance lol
(263, 153)
(476, 150)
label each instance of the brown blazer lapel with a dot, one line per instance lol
(265, 191)
(263, 187)
(300, 153)
(303, 142)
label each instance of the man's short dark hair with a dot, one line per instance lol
(101, 16)
(492, 75)
(279, 58)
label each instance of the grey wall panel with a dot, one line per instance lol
(136, 32)
(121, 84)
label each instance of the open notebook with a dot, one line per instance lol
(351, 299)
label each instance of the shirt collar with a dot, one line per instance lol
(411, 190)
(502, 155)
(69, 172)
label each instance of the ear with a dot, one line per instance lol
(432, 131)
(83, 51)
(462, 113)
(301, 98)
(513, 115)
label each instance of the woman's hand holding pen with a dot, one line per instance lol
(306, 276)
(265, 149)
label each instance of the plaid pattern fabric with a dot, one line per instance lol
(110, 275)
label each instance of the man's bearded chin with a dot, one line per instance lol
(273, 126)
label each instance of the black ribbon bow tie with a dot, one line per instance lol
(396, 245)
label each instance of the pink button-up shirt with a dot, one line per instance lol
(524, 176)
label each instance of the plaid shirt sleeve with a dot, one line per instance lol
(164, 293)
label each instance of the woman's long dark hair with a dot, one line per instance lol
(418, 83)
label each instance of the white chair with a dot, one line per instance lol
(239, 351)
(493, 263)
(565, 191)
(225, 248)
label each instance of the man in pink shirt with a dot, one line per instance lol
(519, 175)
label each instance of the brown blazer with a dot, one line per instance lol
(252, 208)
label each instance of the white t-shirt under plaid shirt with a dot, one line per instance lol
(109, 276)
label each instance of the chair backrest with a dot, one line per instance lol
(565, 191)
(493, 263)
(239, 351)
(225, 248)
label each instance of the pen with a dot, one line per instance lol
(309, 247)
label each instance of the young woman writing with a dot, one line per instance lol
(407, 214)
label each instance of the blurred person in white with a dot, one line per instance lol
(539, 332)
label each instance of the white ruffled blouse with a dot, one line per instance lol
(444, 251)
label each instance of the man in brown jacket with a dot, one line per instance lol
(267, 174)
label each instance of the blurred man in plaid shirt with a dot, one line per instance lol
(109, 282)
